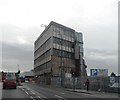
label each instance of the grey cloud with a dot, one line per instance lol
(102, 52)
(17, 51)
(110, 60)
(14, 54)
(11, 32)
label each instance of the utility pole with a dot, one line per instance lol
(18, 75)
(73, 81)
(18, 66)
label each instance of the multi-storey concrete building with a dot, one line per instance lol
(59, 51)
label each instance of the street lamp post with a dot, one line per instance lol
(43, 25)
(73, 81)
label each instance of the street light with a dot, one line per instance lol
(43, 25)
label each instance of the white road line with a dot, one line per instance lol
(86, 94)
(28, 89)
(23, 89)
(27, 92)
(32, 92)
(56, 91)
(62, 93)
(58, 96)
(38, 96)
(36, 92)
(18, 86)
(32, 97)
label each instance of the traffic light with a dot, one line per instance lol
(17, 76)
(18, 73)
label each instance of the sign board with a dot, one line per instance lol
(112, 79)
(93, 72)
(102, 72)
(99, 72)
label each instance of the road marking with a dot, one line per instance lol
(23, 89)
(19, 87)
(36, 92)
(38, 96)
(29, 89)
(58, 96)
(32, 92)
(27, 92)
(54, 90)
(85, 94)
(32, 97)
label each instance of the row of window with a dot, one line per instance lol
(43, 66)
(64, 31)
(43, 37)
(62, 53)
(63, 42)
(43, 56)
(42, 47)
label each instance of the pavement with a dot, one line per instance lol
(84, 91)
(81, 91)
(104, 94)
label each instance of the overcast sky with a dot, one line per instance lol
(20, 22)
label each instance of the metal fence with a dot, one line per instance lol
(96, 83)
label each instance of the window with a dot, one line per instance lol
(69, 55)
(58, 30)
(57, 40)
(53, 28)
(70, 34)
(64, 32)
(63, 53)
(72, 55)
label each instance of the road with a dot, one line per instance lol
(14, 93)
(33, 92)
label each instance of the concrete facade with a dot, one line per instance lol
(59, 51)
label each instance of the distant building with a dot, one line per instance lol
(28, 74)
(59, 51)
